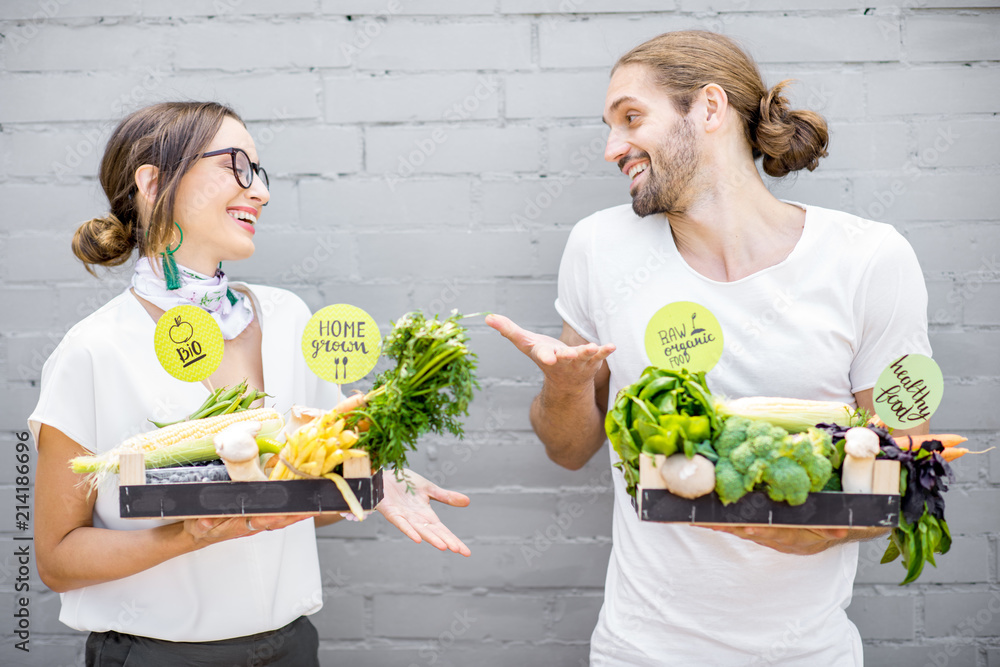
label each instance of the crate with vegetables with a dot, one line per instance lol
(229, 458)
(689, 456)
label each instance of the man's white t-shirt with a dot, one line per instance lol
(100, 386)
(822, 324)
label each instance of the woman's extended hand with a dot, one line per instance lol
(412, 513)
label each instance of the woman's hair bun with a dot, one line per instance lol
(104, 241)
(788, 139)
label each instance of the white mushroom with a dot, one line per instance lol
(688, 477)
(861, 445)
(299, 416)
(236, 445)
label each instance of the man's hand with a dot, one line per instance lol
(566, 366)
(412, 513)
(568, 414)
(800, 541)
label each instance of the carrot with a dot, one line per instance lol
(911, 442)
(954, 453)
(351, 403)
(877, 422)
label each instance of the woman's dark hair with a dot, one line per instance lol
(686, 61)
(165, 136)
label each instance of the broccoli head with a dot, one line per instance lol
(755, 453)
(787, 480)
(733, 434)
(728, 482)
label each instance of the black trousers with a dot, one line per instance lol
(295, 645)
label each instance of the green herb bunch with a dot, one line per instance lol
(428, 390)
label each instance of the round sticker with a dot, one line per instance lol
(908, 391)
(188, 343)
(684, 334)
(341, 343)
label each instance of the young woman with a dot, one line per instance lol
(186, 191)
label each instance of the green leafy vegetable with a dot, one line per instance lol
(428, 390)
(662, 413)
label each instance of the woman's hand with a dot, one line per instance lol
(209, 530)
(412, 513)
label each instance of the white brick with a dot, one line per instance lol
(477, 616)
(62, 153)
(443, 254)
(958, 143)
(412, 97)
(584, 6)
(224, 8)
(296, 257)
(28, 308)
(812, 188)
(465, 295)
(952, 37)
(576, 616)
(374, 204)
(835, 94)
(405, 7)
(308, 149)
(579, 149)
(904, 92)
(445, 46)
(967, 353)
(57, 47)
(448, 149)
(955, 248)
(556, 94)
(289, 95)
(35, 258)
(50, 207)
(980, 300)
(785, 38)
(557, 200)
(916, 195)
(62, 9)
(598, 42)
(241, 46)
(866, 146)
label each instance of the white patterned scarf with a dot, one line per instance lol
(232, 310)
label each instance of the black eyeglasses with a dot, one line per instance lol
(243, 168)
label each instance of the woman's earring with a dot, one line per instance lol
(170, 273)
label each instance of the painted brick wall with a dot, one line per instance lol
(434, 154)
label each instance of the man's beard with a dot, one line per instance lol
(668, 188)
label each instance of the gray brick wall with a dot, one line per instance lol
(439, 151)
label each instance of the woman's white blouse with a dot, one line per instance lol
(100, 386)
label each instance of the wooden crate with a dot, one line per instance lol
(139, 500)
(821, 510)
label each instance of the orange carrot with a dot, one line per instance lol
(912, 442)
(877, 422)
(954, 453)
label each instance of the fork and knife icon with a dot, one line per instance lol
(337, 361)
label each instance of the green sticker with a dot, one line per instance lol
(188, 343)
(908, 391)
(684, 334)
(341, 343)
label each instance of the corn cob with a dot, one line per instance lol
(186, 442)
(792, 414)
